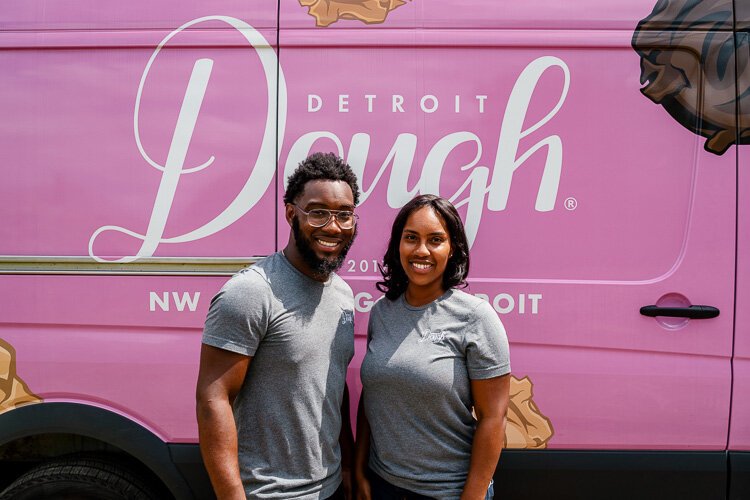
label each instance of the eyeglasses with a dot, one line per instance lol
(320, 217)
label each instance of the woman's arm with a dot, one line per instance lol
(346, 443)
(490, 404)
(362, 452)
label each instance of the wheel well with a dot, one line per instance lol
(40, 447)
(35, 433)
(22, 454)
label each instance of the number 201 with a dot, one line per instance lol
(362, 266)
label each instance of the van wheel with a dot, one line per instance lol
(78, 478)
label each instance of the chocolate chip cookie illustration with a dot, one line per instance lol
(690, 56)
(13, 391)
(327, 12)
(526, 426)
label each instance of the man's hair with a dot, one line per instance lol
(320, 166)
(394, 277)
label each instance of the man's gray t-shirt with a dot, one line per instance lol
(417, 391)
(300, 333)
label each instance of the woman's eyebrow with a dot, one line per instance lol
(436, 233)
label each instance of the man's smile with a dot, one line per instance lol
(327, 243)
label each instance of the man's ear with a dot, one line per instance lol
(289, 213)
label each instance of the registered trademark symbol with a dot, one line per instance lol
(571, 203)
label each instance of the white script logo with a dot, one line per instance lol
(484, 186)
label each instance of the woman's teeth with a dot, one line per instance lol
(421, 266)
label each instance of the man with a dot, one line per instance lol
(277, 341)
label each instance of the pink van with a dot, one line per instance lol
(594, 149)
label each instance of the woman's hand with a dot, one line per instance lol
(363, 488)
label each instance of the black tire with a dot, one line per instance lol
(79, 478)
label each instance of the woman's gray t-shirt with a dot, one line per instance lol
(417, 391)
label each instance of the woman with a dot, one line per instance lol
(434, 354)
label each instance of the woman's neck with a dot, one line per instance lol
(418, 296)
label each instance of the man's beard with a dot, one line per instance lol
(320, 267)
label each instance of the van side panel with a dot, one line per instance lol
(133, 135)
(589, 148)
(136, 144)
(739, 438)
(583, 200)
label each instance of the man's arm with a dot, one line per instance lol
(219, 380)
(346, 443)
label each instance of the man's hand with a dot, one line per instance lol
(347, 484)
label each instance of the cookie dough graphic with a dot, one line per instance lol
(526, 427)
(13, 391)
(688, 59)
(327, 12)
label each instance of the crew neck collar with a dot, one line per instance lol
(447, 294)
(303, 275)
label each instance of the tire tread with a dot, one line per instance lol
(85, 470)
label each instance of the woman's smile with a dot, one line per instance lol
(422, 266)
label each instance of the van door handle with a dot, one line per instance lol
(692, 312)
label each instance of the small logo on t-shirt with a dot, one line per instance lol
(347, 318)
(434, 337)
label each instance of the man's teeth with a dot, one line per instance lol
(329, 244)
(421, 266)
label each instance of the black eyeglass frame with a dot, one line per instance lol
(331, 214)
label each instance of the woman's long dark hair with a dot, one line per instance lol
(394, 278)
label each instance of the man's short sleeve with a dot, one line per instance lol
(487, 352)
(239, 314)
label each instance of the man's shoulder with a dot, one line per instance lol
(265, 270)
(243, 300)
(266, 267)
(340, 284)
(338, 281)
(252, 279)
